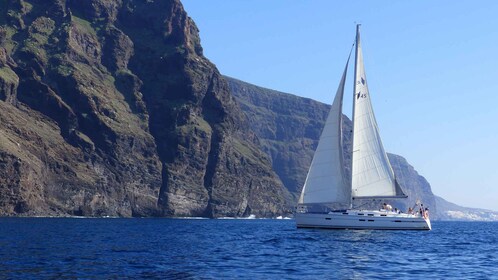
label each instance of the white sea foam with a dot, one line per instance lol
(283, 218)
(250, 217)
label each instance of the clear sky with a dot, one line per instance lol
(431, 69)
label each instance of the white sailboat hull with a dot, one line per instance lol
(362, 219)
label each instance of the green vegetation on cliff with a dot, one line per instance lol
(110, 108)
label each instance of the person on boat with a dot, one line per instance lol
(410, 210)
(387, 207)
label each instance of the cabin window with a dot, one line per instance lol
(370, 214)
(370, 220)
(397, 221)
(362, 220)
(327, 218)
(361, 214)
(383, 215)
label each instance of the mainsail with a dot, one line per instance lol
(326, 182)
(372, 175)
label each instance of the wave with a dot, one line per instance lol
(283, 218)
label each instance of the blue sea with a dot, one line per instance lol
(68, 248)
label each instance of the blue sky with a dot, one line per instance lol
(431, 68)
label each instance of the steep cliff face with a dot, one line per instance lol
(110, 108)
(71, 144)
(289, 128)
(414, 185)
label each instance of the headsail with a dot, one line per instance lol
(326, 182)
(372, 174)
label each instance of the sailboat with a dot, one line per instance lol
(326, 200)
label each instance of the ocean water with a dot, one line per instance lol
(64, 248)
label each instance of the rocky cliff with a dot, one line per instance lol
(289, 127)
(108, 107)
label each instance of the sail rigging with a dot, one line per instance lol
(328, 188)
(371, 173)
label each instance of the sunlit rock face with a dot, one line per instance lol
(108, 107)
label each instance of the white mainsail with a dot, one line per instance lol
(372, 174)
(326, 182)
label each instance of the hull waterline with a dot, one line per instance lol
(362, 219)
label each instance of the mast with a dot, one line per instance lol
(354, 104)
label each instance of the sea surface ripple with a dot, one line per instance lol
(240, 249)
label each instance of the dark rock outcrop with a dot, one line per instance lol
(108, 107)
